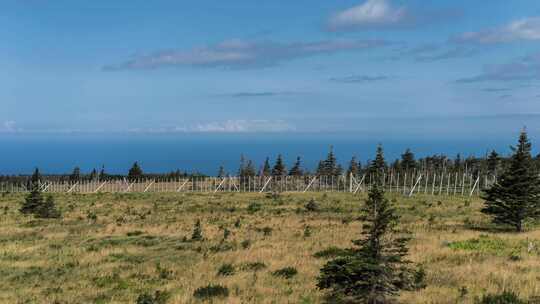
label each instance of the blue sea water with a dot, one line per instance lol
(159, 153)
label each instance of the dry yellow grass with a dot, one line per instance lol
(115, 257)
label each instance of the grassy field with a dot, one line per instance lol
(109, 248)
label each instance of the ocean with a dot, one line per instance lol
(160, 153)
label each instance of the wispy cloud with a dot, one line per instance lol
(435, 52)
(370, 14)
(518, 30)
(259, 94)
(227, 126)
(239, 126)
(359, 79)
(382, 14)
(244, 54)
(496, 90)
(525, 68)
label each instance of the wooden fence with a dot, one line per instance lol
(433, 183)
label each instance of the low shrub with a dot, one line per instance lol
(331, 252)
(254, 207)
(226, 270)
(287, 272)
(254, 266)
(211, 291)
(159, 297)
(506, 297)
(312, 206)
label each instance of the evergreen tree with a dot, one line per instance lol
(515, 198)
(330, 164)
(407, 160)
(266, 171)
(102, 173)
(135, 172)
(458, 163)
(378, 165)
(75, 175)
(242, 168)
(279, 167)
(221, 172)
(34, 199)
(396, 165)
(47, 209)
(493, 162)
(93, 174)
(376, 268)
(250, 169)
(354, 167)
(36, 178)
(320, 169)
(296, 170)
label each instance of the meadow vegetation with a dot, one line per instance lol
(248, 248)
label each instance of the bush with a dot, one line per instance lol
(267, 231)
(226, 270)
(506, 297)
(159, 297)
(254, 266)
(312, 206)
(331, 252)
(307, 231)
(211, 291)
(287, 272)
(419, 279)
(246, 244)
(197, 232)
(254, 207)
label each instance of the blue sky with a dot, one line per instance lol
(376, 66)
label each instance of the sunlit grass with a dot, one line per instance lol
(109, 248)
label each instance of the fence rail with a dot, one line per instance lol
(405, 183)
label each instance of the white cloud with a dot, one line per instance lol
(242, 126)
(372, 13)
(241, 54)
(227, 126)
(526, 29)
(523, 69)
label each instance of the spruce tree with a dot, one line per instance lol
(407, 160)
(250, 169)
(34, 199)
(296, 170)
(242, 168)
(330, 164)
(320, 169)
(47, 209)
(515, 198)
(458, 165)
(102, 173)
(354, 168)
(279, 167)
(376, 268)
(266, 171)
(75, 175)
(135, 172)
(378, 165)
(493, 162)
(93, 175)
(221, 172)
